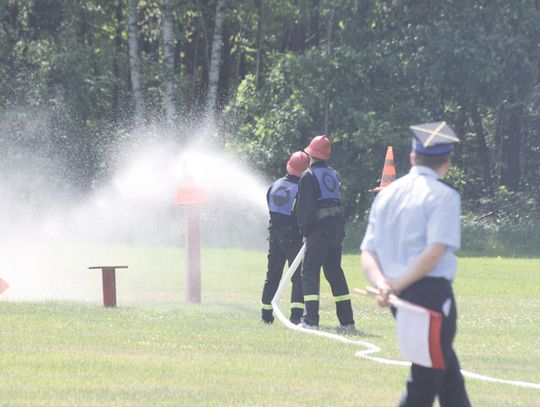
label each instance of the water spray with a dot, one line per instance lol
(52, 234)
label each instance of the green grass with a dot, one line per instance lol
(157, 350)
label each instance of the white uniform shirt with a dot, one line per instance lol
(409, 214)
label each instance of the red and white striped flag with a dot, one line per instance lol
(419, 334)
(3, 286)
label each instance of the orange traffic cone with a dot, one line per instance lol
(389, 173)
(3, 286)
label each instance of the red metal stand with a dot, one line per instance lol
(109, 283)
(191, 197)
(193, 254)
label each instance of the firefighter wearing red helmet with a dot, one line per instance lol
(321, 222)
(285, 238)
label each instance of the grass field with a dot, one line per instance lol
(156, 350)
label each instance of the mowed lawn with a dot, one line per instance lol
(156, 350)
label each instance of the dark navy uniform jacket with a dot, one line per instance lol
(319, 188)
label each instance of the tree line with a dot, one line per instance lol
(275, 73)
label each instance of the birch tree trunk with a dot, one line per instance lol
(168, 59)
(215, 57)
(115, 103)
(259, 42)
(134, 62)
(326, 100)
(193, 97)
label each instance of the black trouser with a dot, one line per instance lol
(284, 244)
(323, 248)
(424, 384)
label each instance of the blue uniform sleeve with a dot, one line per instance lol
(444, 221)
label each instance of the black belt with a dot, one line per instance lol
(329, 212)
(284, 227)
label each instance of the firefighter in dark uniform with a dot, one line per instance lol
(321, 222)
(408, 250)
(285, 239)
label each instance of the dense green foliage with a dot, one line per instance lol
(359, 71)
(475, 64)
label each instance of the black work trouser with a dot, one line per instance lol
(424, 384)
(323, 248)
(284, 244)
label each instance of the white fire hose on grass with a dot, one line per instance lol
(370, 348)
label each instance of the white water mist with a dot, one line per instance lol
(48, 226)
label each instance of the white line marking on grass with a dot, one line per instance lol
(370, 347)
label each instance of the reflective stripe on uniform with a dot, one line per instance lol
(344, 297)
(266, 306)
(297, 305)
(313, 297)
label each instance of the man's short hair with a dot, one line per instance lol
(432, 161)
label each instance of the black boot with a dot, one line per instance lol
(296, 315)
(266, 316)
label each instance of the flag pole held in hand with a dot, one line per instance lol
(418, 331)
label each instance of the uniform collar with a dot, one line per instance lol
(422, 170)
(291, 177)
(321, 163)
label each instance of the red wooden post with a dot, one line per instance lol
(109, 283)
(190, 198)
(193, 254)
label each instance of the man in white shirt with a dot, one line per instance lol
(408, 250)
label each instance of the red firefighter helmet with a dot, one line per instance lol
(298, 163)
(319, 147)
